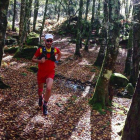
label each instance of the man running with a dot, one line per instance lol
(45, 57)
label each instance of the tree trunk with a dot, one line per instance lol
(44, 18)
(131, 129)
(36, 7)
(103, 44)
(29, 15)
(98, 9)
(91, 26)
(128, 62)
(101, 53)
(126, 10)
(136, 45)
(87, 6)
(78, 38)
(3, 25)
(58, 14)
(85, 22)
(14, 16)
(101, 97)
(21, 25)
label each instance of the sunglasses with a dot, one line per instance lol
(49, 41)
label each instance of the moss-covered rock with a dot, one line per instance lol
(11, 49)
(33, 39)
(26, 53)
(130, 89)
(33, 69)
(10, 41)
(118, 80)
(2, 85)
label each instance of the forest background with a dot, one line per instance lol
(100, 43)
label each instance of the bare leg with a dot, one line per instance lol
(49, 83)
(40, 89)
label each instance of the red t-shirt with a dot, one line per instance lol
(48, 65)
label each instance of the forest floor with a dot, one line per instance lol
(69, 115)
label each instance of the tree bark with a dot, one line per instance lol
(128, 62)
(78, 38)
(21, 25)
(103, 44)
(101, 53)
(131, 129)
(36, 7)
(29, 10)
(101, 97)
(87, 7)
(3, 25)
(136, 44)
(91, 26)
(98, 9)
(44, 18)
(14, 16)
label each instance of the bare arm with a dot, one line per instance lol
(34, 59)
(58, 56)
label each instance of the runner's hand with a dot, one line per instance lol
(42, 60)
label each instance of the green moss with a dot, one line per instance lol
(108, 74)
(3, 86)
(11, 50)
(26, 53)
(118, 80)
(96, 106)
(32, 38)
(24, 74)
(33, 69)
(130, 89)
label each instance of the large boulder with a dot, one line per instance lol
(130, 89)
(32, 39)
(118, 80)
(26, 53)
(10, 41)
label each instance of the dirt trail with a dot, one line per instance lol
(70, 117)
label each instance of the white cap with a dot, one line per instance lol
(48, 36)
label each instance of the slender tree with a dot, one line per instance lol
(87, 9)
(14, 16)
(98, 9)
(3, 24)
(136, 43)
(91, 26)
(101, 97)
(28, 14)
(36, 7)
(78, 38)
(131, 129)
(44, 18)
(128, 62)
(85, 23)
(103, 43)
(103, 39)
(22, 25)
(58, 11)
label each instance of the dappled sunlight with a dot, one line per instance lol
(95, 49)
(7, 58)
(120, 107)
(19, 65)
(120, 62)
(61, 40)
(83, 128)
(84, 62)
(86, 91)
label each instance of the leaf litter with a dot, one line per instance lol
(70, 117)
